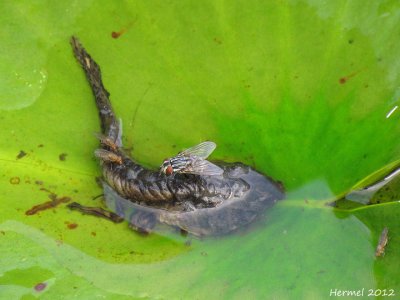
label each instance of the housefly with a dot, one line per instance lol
(107, 141)
(193, 161)
(108, 156)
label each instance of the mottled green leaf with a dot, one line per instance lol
(304, 91)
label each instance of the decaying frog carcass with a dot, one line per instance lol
(200, 197)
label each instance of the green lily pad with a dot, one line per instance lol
(304, 91)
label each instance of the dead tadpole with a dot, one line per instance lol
(383, 240)
(189, 192)
(230, 214)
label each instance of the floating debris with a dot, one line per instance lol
(15, 180)
(117, 34)
(40, 286)
(62, 156)
(72, 225)
(48, 204)
(96, 211)
(21, 154)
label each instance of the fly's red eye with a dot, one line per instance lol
(169, 170)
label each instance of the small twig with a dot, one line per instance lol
(95, 211)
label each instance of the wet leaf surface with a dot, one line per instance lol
(305, 91)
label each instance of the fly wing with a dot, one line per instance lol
(203, 167)
(202, 150)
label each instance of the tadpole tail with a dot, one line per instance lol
(109, 123)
